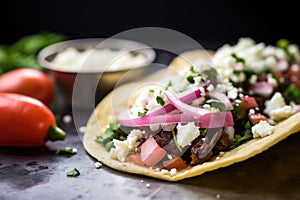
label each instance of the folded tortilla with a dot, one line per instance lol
(118, 100)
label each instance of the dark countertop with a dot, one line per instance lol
(38, 173)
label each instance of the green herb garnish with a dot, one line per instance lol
(292, 94)
(160, 101)
(151, 91)
(175, 141)
(73, 173)
(142, 114)
(169, 85)
(283, 44)
(66, 151)
(238, 59)
(114, 131)
(190, 79)
(211, 73)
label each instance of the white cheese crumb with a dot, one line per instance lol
(142, 181)
(74, 150)
(186, 133)
(262, 129)
(218, 196)
(252, 111)
(164, 172)
(210, 87)
(67, 118)
(217, 158)
(277, 101)
(206, 106)
(281, 113)
(169, 156)
(173, 171)
(253, 79)
(82, 129)
(233, 93)
(148, 185)
(271, 80)
(98, 164)
(157, 169)
(221, 153)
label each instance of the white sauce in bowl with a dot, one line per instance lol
(98, 59)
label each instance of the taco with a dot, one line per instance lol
(200, 114)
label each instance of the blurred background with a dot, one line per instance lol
(212, 22)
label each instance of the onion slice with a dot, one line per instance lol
(191, 110)
(262, 88)
(186, 98)
(209, 120)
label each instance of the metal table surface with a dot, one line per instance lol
(38, 173)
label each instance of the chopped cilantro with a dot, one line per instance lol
(238, 111)
(238, 139)
(190, 79)
(169, 85)
(151, 91)
(192, 69)
(114, 131)
(142, 114)
(238, 59)
(66, 151)
(175, 141)
(292, 94)
(203, 132)
(283, 44)
(160, 101)
(73, 173)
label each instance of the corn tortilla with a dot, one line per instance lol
(117, 100)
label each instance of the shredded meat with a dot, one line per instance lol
(223, 144)
(196, 153)
(163, 138)
(203, 150)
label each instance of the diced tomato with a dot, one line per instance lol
(151, 152)
(177, 163)
(249, 102)
(256, 118)
(136, 159)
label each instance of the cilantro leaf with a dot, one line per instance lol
(73, 173)
(238, 59)
(160, 101)
(292, 94)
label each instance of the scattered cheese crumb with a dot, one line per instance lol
(277, 101)
(218, 196)
(221, 153)
(67, 119)
(169, 156)
(186, 133)
(98, 164)
(142, 181)
(217, 158)
(262, 129)
(164, 171)
(148, 185)
(173, 171)
(82, 129)
(281, 113)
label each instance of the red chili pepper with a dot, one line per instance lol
(26, 121)
(30, 82)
